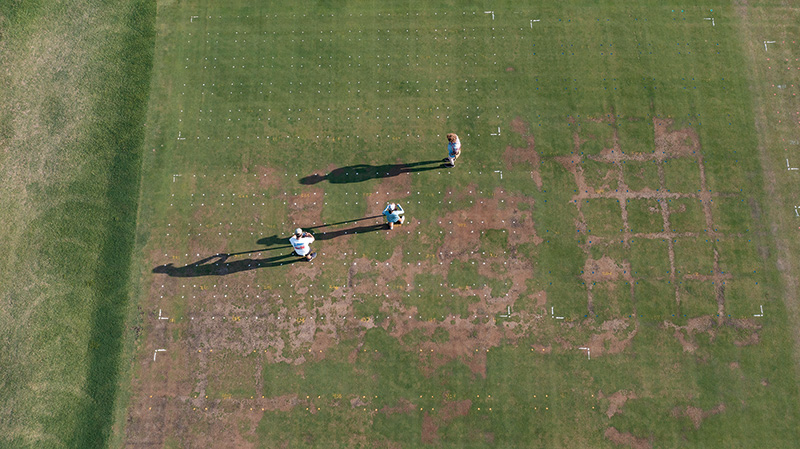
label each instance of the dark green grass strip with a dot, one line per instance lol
(60, 368)
(122, 130)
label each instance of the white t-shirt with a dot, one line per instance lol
(453, 147)
(302, 245)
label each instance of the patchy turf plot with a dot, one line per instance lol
(590, 274)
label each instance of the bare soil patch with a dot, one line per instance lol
(614, 338)
(403, 406)
(267, 177)
(390, 189)
(501, 211)
(540, 349)
(449, 411)
(752, 339)
(430, 430)
(616, 401)
(674, 143)
(626, 439)
(468, 342)
(708, 324)
(696, 414)
(685, 334)
(454, 409)
(305, 209)
(514, 156)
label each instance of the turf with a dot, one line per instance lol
(73, 104)
(599, 174)
(607, 264)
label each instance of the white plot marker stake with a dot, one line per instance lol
(761, 307)
(767, 42)
(789, 167)
(156, 353)
(588, 352)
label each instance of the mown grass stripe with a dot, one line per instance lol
(71, 134)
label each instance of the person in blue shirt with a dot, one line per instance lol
(394, 214)
(453, 149)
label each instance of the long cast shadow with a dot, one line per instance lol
(216, 265)
(349, 231)
(342, 222)
(364, 172)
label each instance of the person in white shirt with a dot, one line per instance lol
(453, 149)
(394, 214)
(301, 242)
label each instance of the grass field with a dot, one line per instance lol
(609, 264)
(592, 273)
(75, 80)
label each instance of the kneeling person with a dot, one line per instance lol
(394, 214)
(301, 242)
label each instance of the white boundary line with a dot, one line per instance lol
(767, 42)
(161, 317)
(156, 353)
(788, 167)
(762, 311)
(588, 352)
(490, 12)
(711, 19)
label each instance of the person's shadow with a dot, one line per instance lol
(327, 235)
(218, 265)
(364, 172)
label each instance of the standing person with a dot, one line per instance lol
(394, 214)
(301, 242)
(453, 149)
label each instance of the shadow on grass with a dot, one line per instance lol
(349, 231)
(321, 235)
(363, 172)
(218, 265)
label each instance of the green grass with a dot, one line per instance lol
(71, 135)
(264, 95)
(250, 100)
